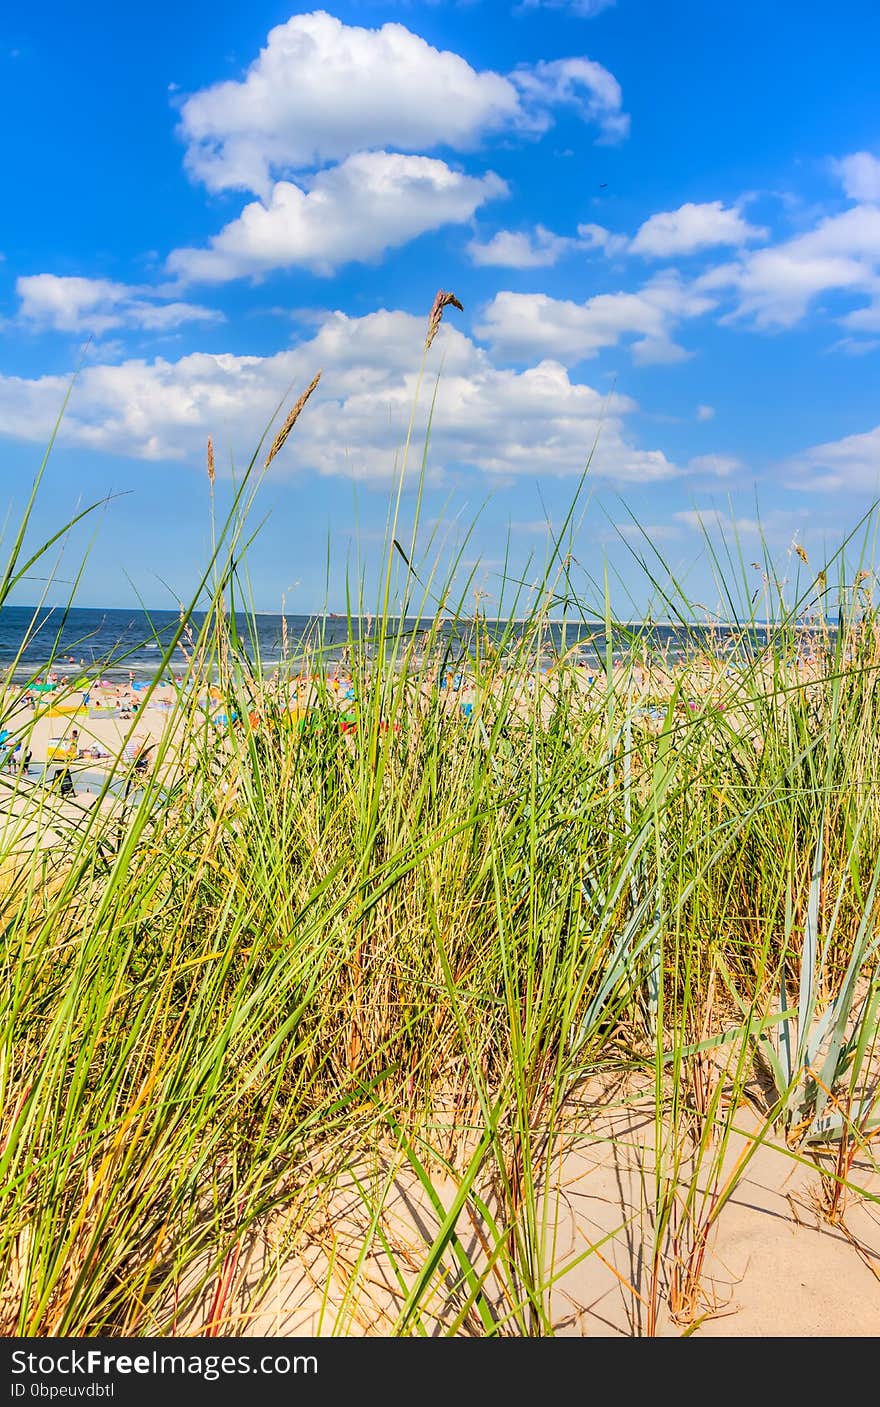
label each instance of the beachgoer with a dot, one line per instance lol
(142, 757)
(62, 776)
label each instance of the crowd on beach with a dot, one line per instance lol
(70, 692)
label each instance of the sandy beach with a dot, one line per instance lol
(774, 1231)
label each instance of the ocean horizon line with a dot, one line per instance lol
(318, 615)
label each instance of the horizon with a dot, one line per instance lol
(570, 621)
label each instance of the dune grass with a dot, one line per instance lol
(298, 958)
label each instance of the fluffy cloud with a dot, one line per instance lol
(684, 231)
(488, 419)
(691, 228)
(321, 90)
(705, 412)
(851, 464)
(581, 84)
(539, 249)
(372, 202)
(523, 325)
(597, 237)
(512, 250)
(860, 176)
(97, 305)
(775, 286)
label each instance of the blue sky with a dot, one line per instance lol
(663, 222)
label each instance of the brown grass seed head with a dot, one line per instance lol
(442, 300)
(291, 420)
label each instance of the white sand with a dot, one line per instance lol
(775, 1265)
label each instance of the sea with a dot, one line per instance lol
(126, 643)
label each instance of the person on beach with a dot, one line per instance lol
(142, 756)
(62, 777)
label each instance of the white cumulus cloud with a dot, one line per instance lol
(523, 325)
(775, 286)
(373, 201)
(536, 249)
(488, 419)
(69, 304)
(851, 464)
(321, 90)
(691, 228)
(578, 83)
(860, 176)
